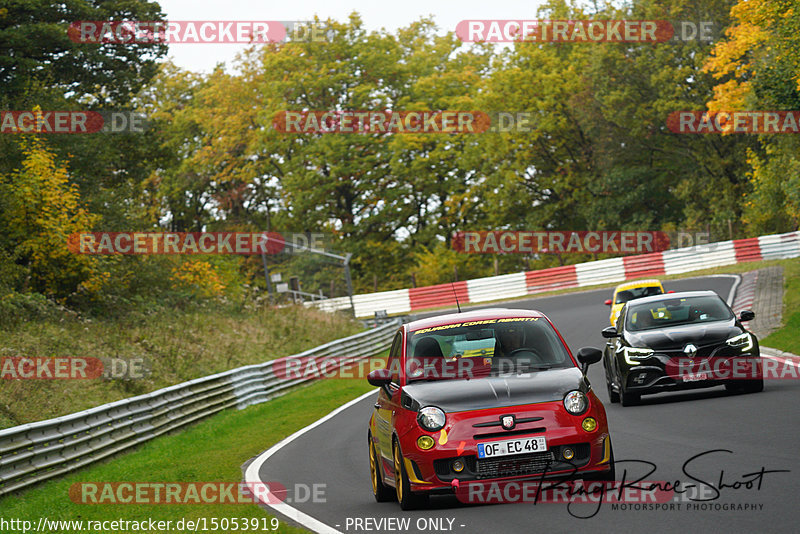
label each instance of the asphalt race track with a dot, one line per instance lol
(759, 430)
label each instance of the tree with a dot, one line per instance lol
(40, 211)
(757, 67)
(37, 54)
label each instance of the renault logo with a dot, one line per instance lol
(690, 350)
(508, 422)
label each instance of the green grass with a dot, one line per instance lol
(787, 338)
(212, 450)
(179, 346)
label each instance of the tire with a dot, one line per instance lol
(754, 386)
(630, 399)
(380, 491)
(746, 386)
(407, 499)
(613, 396)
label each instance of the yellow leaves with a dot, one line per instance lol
(43, 209)
(763, 33)
(729, 96)
(734, 56)
(200, 277)
(729, 56)
(96, 283)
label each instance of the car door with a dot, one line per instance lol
(387, 404)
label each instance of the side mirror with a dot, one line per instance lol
(589, 355)
(610, 331)
(747, 315)
(608, 302)
(380, 377)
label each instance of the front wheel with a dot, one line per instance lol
(613, 396)
(407, 499)
(746, 386)
(630, 399)
(381, 492)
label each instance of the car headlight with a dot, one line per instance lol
(742, 341)
(431, 418)
(632, 354)
(576, 402)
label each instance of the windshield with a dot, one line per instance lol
(636, 293)
(477, 349)
(676, 311)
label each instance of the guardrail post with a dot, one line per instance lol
(349, 281)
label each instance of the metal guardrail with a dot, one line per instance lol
(38, 451)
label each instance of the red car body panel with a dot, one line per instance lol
(391, 421)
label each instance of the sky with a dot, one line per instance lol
(376, 14)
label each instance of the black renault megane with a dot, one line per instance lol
(680, 341)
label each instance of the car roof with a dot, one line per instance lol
(476, 315)
(638, 283)
(672, 296)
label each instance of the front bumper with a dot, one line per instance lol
(675, 371)
(433, 470)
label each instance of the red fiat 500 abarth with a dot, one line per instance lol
(491, 395)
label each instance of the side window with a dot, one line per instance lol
(394, 357)
(621, 318)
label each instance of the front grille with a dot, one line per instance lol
(509, 466)
(442, 467)
(717, 350)
(509, 433)
(499, 423)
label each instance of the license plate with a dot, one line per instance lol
(696, 377)
(512, 446)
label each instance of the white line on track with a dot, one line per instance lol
(251, 476)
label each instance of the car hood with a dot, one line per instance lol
(676, 337)
(492, 392)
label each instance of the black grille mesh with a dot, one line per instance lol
(507, 466)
